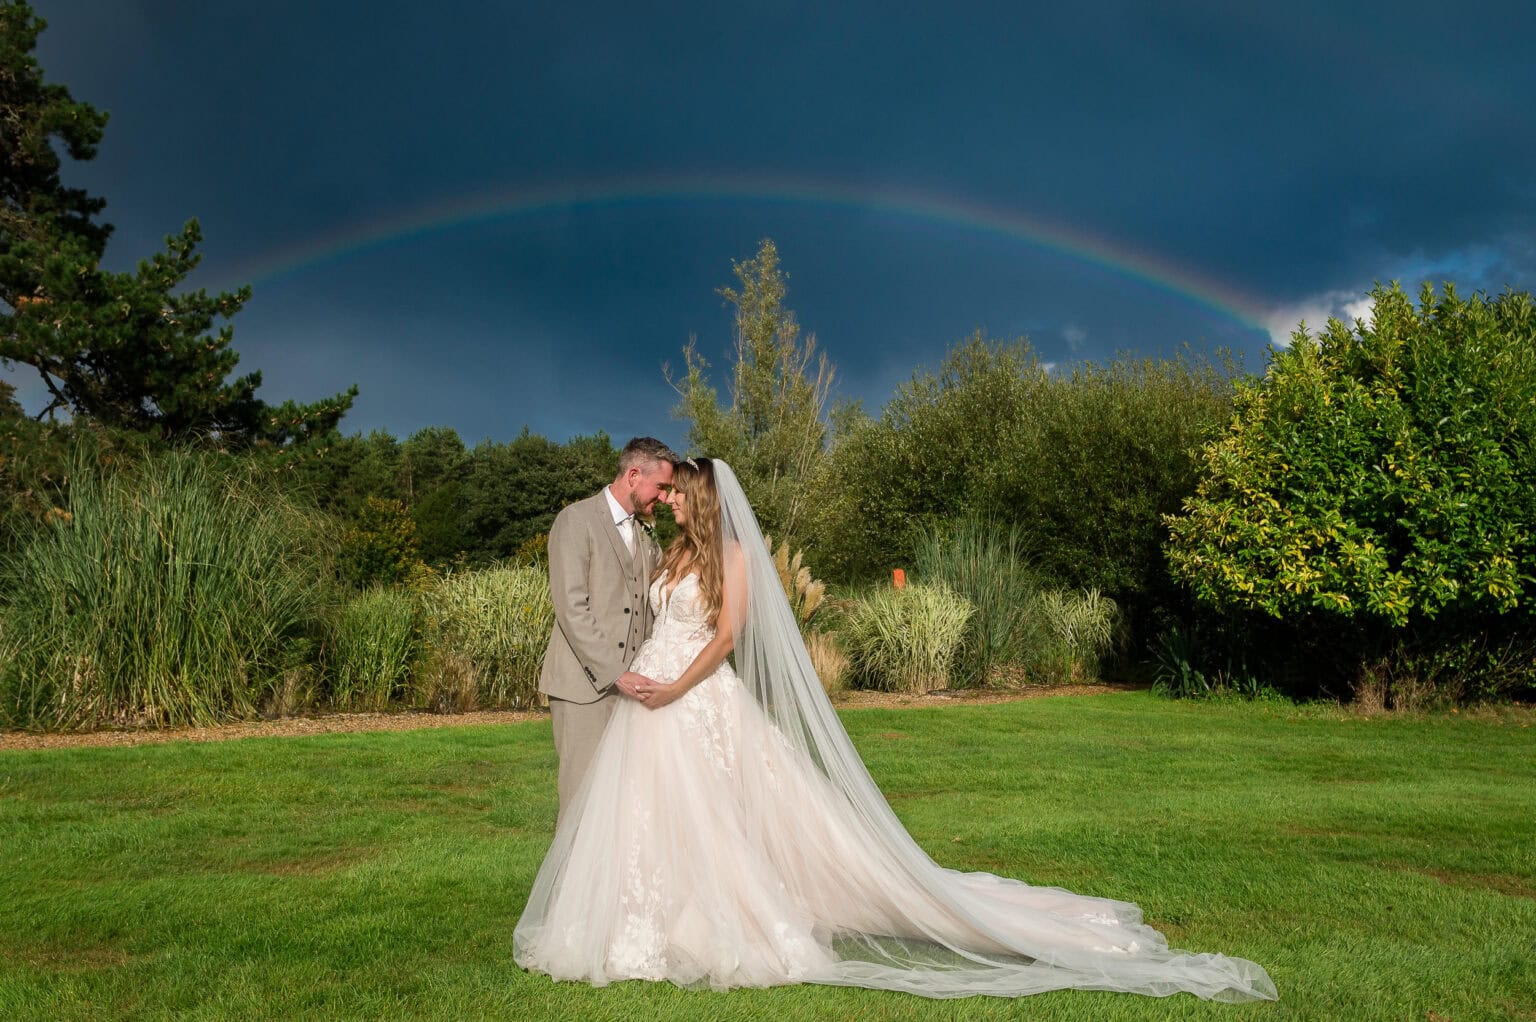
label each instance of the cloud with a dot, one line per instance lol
(1478, 268)
(1074, 335)
(1315, 311)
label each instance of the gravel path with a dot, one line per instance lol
(410, 720)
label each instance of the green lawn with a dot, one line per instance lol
(1378, 868)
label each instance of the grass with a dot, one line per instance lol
(1379, 868)
(490, 629)
(178, 590)
(906, 640)
(374, 646)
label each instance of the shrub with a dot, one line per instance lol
(381, 548)
(907, 639)
(176, 590)
(1437, 670)
(1377, 484)
(488, 631)
(374, 647)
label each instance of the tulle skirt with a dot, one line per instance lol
(703, 848)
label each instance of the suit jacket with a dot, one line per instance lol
(602, 612)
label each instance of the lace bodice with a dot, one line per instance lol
(680, 629)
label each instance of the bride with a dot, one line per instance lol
(727, 833)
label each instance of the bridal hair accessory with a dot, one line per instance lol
(690, 463)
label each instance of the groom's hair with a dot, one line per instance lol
(643, 450)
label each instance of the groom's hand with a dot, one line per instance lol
(636, 686)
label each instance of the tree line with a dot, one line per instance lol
(1353, 519)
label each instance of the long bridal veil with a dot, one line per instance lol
(892, 917)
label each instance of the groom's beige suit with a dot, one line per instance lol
(602, 614)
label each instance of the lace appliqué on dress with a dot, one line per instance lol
(680, 632)
(640, 951)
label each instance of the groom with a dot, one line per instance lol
(600, 560)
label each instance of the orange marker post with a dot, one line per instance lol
(899, 578)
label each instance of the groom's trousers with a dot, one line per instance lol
(578, 727)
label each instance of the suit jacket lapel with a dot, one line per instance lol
(614, 539)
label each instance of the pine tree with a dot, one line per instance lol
(125, 350)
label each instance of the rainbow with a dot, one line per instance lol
(893, 201)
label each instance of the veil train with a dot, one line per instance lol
(964, 933)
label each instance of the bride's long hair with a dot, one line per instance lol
(699, 545)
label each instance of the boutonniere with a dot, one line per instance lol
(648, 524)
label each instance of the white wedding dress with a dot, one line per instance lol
(714, 844)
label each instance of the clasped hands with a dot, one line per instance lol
(650, 694)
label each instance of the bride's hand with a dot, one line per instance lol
(633, 685)
(654, 695)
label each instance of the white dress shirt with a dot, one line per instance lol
(624, 520)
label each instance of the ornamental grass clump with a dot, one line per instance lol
(804, 593)
(829, 661)
(987, 563)
(1079, 630)
(906, 640)
(374, 646)
(175, 591)
(487, 631)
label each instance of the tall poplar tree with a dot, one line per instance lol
(773, 431)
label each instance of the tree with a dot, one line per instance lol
(513, 491)
(439, 518)
(10, 408)
(340, 474)
(1083, 463)
(773, 433)
(429, 459)
(1380, 480)
(433, 466)
(932, 456)
(127, 350)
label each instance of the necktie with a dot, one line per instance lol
(627, 530)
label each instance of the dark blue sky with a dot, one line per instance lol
(1105, 177)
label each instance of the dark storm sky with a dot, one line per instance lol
(497, 214)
